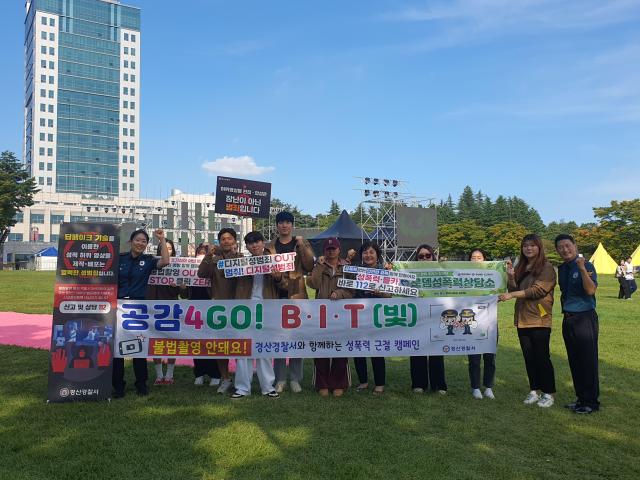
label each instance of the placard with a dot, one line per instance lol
(245, 198)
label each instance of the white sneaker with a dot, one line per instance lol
(199, 381)
(546, 401)
(280, 386)
(418, 390)
(489, 394)
(295, 386)
(476, 394)
(224, 386)
(442, 392)
(214, 382)
(532, 398)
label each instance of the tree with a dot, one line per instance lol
(468, 209)
(446, 212)
(505, 239)
(554, 229)
(17, 189)
(620, 224)
(458, 239)
(334, 209)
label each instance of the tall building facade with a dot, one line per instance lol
(82, 97)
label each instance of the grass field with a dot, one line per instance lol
(185, 432)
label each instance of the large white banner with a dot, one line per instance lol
(306, 328)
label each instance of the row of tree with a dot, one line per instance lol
(474, 221)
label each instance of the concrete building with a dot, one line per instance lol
(82, 96)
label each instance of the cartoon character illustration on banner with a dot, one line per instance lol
(468, 320)
(449, 320)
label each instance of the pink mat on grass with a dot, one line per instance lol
(34, 331)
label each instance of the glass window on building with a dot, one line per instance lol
(49, 181)
(50, 122)
(124, 172)
(43, 107)
(133, 91)
(126, 77)
(40, 180)
(51, 65)
(49, 152)
(15, 237)
(19, 218)
(42, 137)
(51, 79)
(133, 37)
(133, 51)
(50, 93)
(49, 167)
(50, 137)
(124, 145)
(124, 159)
(44, 20)
(133, 118)
(41, 150)
(41, 166)
(43, 35)
(133, 78)
(132, 132)
(132, 146)
(43, 78)
(132, 159)
(125, 117)
(125, 131)
(43, 93)
(55, 218)
(126, 64)
(52, 51)
(133, 64)
(37, 217)
(124, 187)
(41, 237)
(125, 104)
(126, 50)
(50, 108)
(42, 122)
(54, 237)
(133, 105)
(43, 63)
(131, 173)
(43, 50)
(131, 187)
(52, 37)
(126, 36)
(52, 22)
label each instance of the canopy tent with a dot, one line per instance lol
(635, 257)
(602, 261)
(46, 259)
(345, 230)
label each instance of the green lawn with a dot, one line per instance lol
(185, 432)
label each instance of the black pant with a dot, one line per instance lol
(489, 370)
(379, 370)
(139, 369)
(580, 333)
(537, 359)
(624, 291)
(206, 366)
(633, 286)
(425, 369)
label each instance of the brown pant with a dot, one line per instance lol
(331, 373)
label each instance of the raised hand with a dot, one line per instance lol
(159, 234)
(58, 360)
(104, 355)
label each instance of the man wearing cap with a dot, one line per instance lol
(331, 374)
(294, 287)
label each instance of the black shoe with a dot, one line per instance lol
(572, 405)
(142, 390)
(584, 410)
(118, 393)
(271, 394)
(237, 396)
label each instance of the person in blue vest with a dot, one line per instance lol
(578, 283)
(133, 276)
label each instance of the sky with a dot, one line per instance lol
(534, 98)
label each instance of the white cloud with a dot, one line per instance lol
(244, 165)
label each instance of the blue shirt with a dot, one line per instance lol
(134, 275)
(573, 298)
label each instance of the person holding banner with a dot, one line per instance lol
(479, 255)
(256, 287)
(134, 271)
(331, 374)
(203, 366)
(532, 283)
(371, 256)
(427, 371)
(164, 292)
(295, 289)
(222, 288)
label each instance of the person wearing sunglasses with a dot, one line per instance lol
(427, 371)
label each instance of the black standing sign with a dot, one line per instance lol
(84, 312)
(244, 198)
